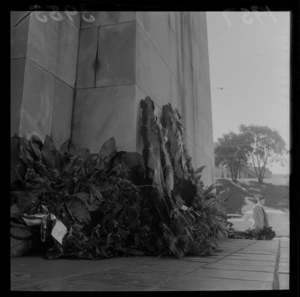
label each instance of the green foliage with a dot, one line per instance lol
(191, 230)
(267, 146)
(254, 145)
(262, 234)
(231, 151)
(105, 213)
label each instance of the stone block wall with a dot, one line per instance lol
(85, 80)
(43, 72)
(172, 66)
(105, 103)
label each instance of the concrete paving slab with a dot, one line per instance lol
(65, 285)
(283, 267)
(284, 253)
(121, 278)
(247, 262)
(261, 248)
(233, 274)
(219, 255)
(233, 242)
(285, 257)
(228, 249)
(256, 251)
(284, 260)
(174, 263)
(252, 257)
(38, 268)
(188, 283)
(252, 272)
(241, 267)
(161, 270)
(264, 245)
(284, 248)
(284, 281)
(235, 247)
(284, 244)
(199, 259)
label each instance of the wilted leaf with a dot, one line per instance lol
(78, 209)
(36, 146)
(85, 197)
(20, 232)
(20, 247)
(108, 148)
(199, 170)
(187, 191)
(134, 162)
(82, 196)
(83, 153)
(23, 200)
(25, 152)
(108, 239)
(210, 189)
(35, 139)
(95, 194)
(64, 148)
(55, 252)
(14, 211)
(50, 153)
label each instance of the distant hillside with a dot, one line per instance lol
(241, 194)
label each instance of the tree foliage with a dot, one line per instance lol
(267, 147)
(231, 151)
(254, 145)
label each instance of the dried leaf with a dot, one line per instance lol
(108, 148)
(199, 170)
(25, 152)
(78, 209)
(20, 247)
(210, 189)
(82, 196)
(65, 147)
(36, 146)
(21, 232)
(83, 153)
(50, 154)
(14, 211)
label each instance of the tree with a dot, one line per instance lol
(231, 151)
(267, 146)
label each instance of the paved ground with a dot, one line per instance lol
(279, 220)
(242, 265)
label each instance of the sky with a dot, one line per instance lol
(249, 56)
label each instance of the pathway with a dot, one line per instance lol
(242, 265)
